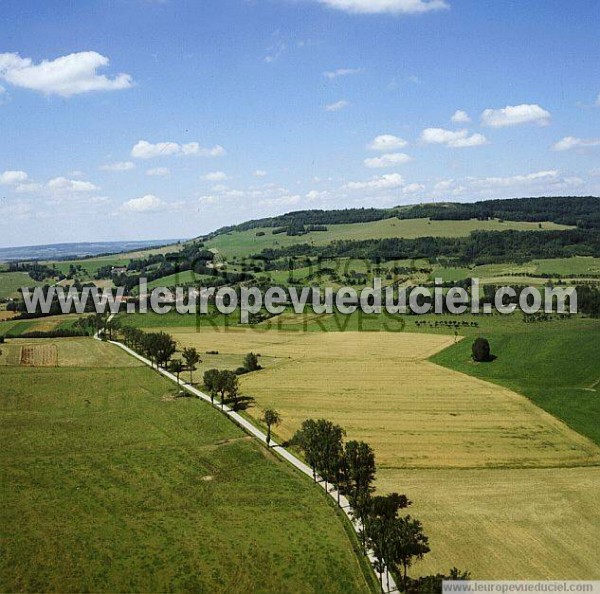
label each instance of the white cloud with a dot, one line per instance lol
(64, 185)
(385, 182)
(386, 6)
(461, 117)
(388, 160)
(147, 150)
(118, 166)
(413, 188)
(386, 142)
(458, 139)
(281, 201)
(65, 76)
(147, 203)
(337, 106)
(28, 188)
(11, 178)
(215, 176)
(331, 74)
(515, 180)
(515, 115)
(158, 172)
(539, 183)
(570, 142)
(260, 173)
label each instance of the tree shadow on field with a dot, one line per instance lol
(242, 403)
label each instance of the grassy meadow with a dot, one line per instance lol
(110, 483)
(11, 282)
(556, 365)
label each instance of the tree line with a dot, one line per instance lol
(480, 247)
(396, 539)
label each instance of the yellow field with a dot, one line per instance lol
(501, 524)
(415, 414)
(504, 489)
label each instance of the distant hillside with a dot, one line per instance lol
(581, 211)
(62, 251)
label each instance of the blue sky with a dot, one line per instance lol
(139, 119)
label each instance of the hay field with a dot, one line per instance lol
(518, 523)
(381, 389)
(503, 488)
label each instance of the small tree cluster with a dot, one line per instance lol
(159, 347)
(222, 383)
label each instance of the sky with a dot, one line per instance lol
(149, 119)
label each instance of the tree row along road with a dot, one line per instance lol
(280, 450)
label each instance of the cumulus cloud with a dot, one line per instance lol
(64, 185)
(389, 181)
(396, 7)
(331, 74)
(65, 76)
(386, 142)
(158, 172)
(281, 201)
(388, 160)
(515, 115)
(11, 178)
(147, 203)
(147, 150)
(337, 106)
(458, 139)
(412, 188)
(539, 183)
(461, 117)
(215, 176)
(571, 142)
(118, 166)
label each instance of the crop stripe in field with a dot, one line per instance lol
(249, 428)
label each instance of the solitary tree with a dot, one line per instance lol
(231, 385)
(176, 367)
(481, 350)
(211, 383)
(191, 358)
(407, 543)
(164, 347)
(270, 417)
(251, 362)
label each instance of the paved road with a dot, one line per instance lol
(280, 450)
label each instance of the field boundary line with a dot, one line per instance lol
(277, 448)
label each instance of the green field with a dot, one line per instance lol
(109, 483)
(245, 243)
(556, 365)
(11, 282)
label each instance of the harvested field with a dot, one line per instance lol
(414, 413)
(42, 355)
(503, 488)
